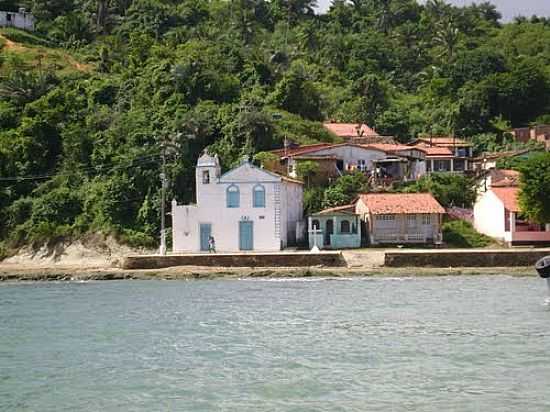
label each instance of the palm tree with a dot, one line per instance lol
(447, 37)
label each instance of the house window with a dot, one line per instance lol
(233, 196)
(426, 219)
(205, 177)
(344, 226)
(258, 196)
(315, 225)
(411, 219)
(385, 217)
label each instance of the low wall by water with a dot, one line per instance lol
(328, 259)
(466, 258)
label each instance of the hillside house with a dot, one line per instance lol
(539, 133)
(497, 214)
(335, 228)
(20, 19)
(392, 161)
(400, 218)
(245, 209)
(497, 178)
(446, 154)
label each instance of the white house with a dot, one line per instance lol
(396, 161)
(20, 19)
(497, 214)
(246, 209)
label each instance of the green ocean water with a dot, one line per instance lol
(426, 344)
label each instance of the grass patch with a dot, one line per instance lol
(34, 52)
(461, 234)
(21, 36)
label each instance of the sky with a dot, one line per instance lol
(508, 8)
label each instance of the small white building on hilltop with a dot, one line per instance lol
(20, 20)
(246, 209)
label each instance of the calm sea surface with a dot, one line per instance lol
(429, 344)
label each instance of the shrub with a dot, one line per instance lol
(449, 189)
(134, 238)
(459, 233)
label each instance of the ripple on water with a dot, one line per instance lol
(309, 344)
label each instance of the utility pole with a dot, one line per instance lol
(174, 147)
(163, 182)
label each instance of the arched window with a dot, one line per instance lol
(233, 196)
(344, 226)
(258, 196)
(315, 225)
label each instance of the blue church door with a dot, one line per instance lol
(205, 232)
(246, 235)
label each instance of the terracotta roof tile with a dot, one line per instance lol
(401, 203)
(508, 196)
(434, 151)
(350, 129)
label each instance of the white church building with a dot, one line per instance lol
(245, 209)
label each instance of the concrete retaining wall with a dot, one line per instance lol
(477, 258)
(328, 259)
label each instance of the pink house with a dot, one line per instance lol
(497, 214)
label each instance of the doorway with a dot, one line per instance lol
(246, 235)
(329, 231)
(205, 233)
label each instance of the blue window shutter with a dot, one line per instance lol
(258, 196)
(233, 196)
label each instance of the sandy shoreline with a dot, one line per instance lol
(15, 273)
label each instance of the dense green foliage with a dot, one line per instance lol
(87, 103)
(534, 197)
(459, 233)
(343, 191)
(449, 189)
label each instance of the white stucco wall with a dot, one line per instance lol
(271, 224)
(19, 20)
(489, 216)
(293, 195)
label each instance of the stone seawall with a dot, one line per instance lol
(326, 259)
(464, 258)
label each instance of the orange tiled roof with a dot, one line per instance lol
(435, 151)
(401, 203)
(349, 129)
(508, 196)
